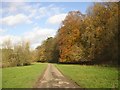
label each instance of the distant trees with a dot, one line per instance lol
(6, 53)
(85, 38)
(18, 55)
(22, 54)
(40, 53)
(47, 51)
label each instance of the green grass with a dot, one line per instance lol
(21, 77)
(0, 78)
(91, 76)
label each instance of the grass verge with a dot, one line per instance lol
(22, 77)
(91, 76)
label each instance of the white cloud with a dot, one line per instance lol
(15, 13)
(13, 8)
(14, 39)
(14, 20)
(56, 19)
(35, 37)
(2, 30)
(33, 46)
(35, 11)
(41, 12)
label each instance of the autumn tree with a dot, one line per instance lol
(101, 32)
(90, 38)
(68, 35)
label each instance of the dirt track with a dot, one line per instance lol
(52, 78)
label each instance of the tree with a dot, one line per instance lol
(18, 55)
(40, 53)
(89, 38)
(47, 52)
(68, 35)
(102, 32)
(22, 54)
(7, 53)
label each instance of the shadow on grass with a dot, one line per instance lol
(88, 64)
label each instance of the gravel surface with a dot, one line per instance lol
(52, 78)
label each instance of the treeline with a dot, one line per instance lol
(48, 51)
(89, 38)
(17, 55)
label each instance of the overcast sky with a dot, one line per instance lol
(34, 21)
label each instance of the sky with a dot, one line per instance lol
(34, 21)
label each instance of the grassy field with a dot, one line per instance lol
(91, 76)
(21, 77)
(0, 78)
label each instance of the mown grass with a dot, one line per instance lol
(91, 76)
(0, 78)
(21, 77)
